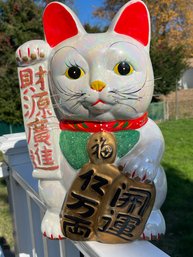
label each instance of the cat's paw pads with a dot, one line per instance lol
(32, 52)
(141, 169)
(50, 226)
(52, 237)
(136, 176)
(155, 226)
(151, 237)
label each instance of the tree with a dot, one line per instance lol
(168, 64)
(172, 20)
(93, 29)
(45, 2)
(20, 21)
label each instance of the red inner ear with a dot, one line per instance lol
(134, 22)
(58, 24)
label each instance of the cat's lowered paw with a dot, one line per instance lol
(140, 167)
(32, 52)
(155, 226)
(50, 226)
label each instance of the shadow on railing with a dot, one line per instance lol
(5, 248)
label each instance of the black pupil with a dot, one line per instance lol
(124, 68)
(74, 72)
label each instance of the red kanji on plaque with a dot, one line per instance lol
(43, 103)
(42, 159)
(40, 74)
(47, 156)
(41, 132)
(37, 108)
(26, 77)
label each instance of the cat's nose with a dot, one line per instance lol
(97, 85)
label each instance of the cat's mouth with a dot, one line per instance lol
(99, 107)
(97, 102)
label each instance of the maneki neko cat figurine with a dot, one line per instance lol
(93, 148)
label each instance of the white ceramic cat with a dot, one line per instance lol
(101, 78)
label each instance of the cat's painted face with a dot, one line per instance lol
(105, 76)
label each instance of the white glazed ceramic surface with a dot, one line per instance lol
(122, 98)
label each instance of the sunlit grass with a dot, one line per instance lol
(6, 228)
(178, 207)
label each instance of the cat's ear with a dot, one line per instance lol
(60, 23)
(133, 20)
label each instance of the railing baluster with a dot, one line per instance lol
(31, 226)
(44, 240)
(62, 245)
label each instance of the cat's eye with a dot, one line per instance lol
(123, 68)
(74, 72)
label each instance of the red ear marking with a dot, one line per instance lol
(134, 22)
(58, 24)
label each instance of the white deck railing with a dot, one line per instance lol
(28, 209)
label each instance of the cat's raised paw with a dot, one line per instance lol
(32, 52)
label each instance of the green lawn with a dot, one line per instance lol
(6, 229)
(178, 207)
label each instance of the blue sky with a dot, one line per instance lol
(84, 9)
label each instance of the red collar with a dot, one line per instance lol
(111, 126)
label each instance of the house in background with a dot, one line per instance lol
(186, 81)
(179, 104)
